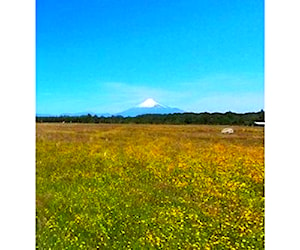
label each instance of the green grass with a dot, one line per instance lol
(149, 187)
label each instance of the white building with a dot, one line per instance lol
(259, 123)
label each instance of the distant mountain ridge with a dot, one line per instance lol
(76, 114)
(149, 106)
(86, 113)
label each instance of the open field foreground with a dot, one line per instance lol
(149, 187)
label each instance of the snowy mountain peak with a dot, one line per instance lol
(149, 103)
(149, 106)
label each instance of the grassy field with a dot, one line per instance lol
(103, 186)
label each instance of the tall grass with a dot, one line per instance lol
(149, 187)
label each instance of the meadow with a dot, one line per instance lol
(108, 186)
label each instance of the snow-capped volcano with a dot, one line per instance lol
(149, 103)
(149, 106)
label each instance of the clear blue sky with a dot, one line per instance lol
(109, 55)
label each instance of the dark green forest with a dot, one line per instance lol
(228, 118)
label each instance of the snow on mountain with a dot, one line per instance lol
(149, 103)
(149, 106)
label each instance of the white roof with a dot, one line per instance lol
(259, 123)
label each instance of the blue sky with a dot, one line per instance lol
(105, 56)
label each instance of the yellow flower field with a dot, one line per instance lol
(104, 186)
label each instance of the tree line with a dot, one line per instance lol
(228, 118)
